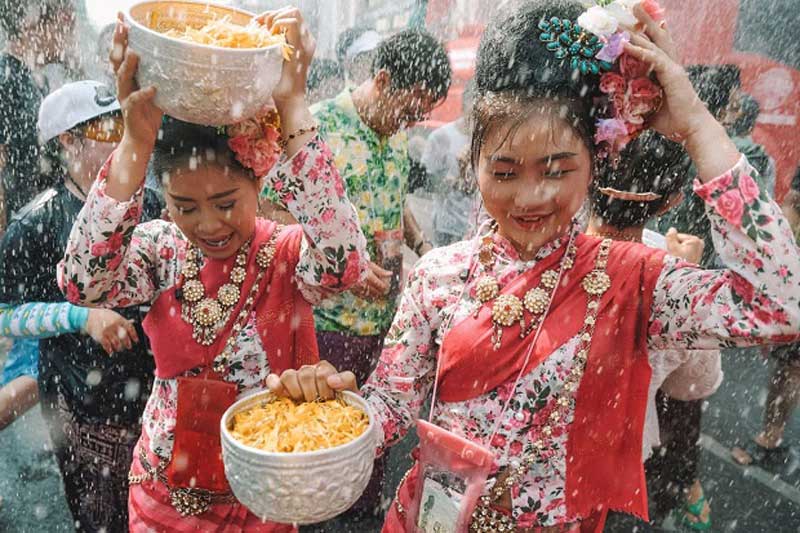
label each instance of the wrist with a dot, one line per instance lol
(290, 106)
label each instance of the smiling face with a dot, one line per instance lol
(214, 205)
(533, 177)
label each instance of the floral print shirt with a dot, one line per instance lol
(375, 172)
(111, 260)
(756, 298)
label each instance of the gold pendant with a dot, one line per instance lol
(207, 312)
(189, 502)
(596, 282)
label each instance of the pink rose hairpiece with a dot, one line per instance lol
(256, 142)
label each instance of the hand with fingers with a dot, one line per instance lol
(142, 117)
(685, 246)
(290, 93)
(111, 330)
(310, 383)
(376, 285)
(683, 116)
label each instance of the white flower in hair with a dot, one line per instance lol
(622, 10)
(598, 21)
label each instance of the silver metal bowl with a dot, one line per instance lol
(198, 83)
(298, 488)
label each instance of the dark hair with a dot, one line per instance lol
(714, 84)
(412, 58)
(649, 163)
(346, 40)
(179, 141)
(322, 70)
(13, 12)
(748, 114)
(516, 76)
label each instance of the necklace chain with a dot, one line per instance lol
(595, 284)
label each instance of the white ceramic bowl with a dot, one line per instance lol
(197, 83)
(298, 488)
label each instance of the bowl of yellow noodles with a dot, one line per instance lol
(298, 462)
(210, 64)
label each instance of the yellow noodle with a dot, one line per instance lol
(284, 426)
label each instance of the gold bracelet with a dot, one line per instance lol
(284, 142)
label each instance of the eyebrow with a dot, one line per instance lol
(546, 159)
(212, 197)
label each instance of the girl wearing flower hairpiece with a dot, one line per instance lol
(230, 293)
(533, 341)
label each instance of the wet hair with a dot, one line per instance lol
(321, 71)
(748, 114)
(649, 163)
(14, 12)
(516, 77)
(414, 58)
(179, 142)
(346, 40)
(714, 84)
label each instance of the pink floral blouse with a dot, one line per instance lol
(112, 261)
(757, 297)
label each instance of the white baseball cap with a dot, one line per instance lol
(73, 104)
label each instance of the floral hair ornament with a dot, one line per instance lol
(596, 43)
(256, 141)
(630, 196)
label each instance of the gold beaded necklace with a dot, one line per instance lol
(209, 315)
(508, 309)
(486, 518)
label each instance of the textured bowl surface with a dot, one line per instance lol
(298, 488)
(198, 83)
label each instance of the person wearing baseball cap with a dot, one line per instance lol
(91, 402)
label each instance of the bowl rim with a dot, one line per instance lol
(355, 443)
(139, 26)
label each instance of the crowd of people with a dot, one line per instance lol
(568, 314)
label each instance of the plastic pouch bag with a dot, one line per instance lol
(453, 473)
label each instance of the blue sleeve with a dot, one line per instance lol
(41, 320)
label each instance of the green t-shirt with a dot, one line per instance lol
(375, 174)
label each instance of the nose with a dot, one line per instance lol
(208, 226)
(534, 193)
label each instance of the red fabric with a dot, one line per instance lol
(604, 448)
(197, 449)
(149, 509)
(284, 319)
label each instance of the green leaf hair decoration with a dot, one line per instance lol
(567, 40)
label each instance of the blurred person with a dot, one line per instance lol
(365, 128)
(29, 322)
(672, 421)
(740, 118)
(92, 403)
(535, 342)
(355, 51)
(325, 80)
(454, 193)
(37, 33)
(768, 448)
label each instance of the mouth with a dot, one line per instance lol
(530, 221)
(217, 243)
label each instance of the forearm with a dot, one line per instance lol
(41, 320)
(295, 116)
(712, 151)
(412, 232)
(128, 170)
